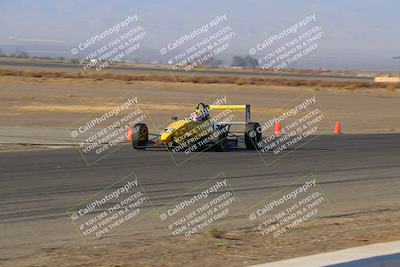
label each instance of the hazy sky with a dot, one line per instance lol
(355, 31)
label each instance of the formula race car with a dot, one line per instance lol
(201, 131)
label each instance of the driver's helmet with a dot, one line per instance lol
(197, 115)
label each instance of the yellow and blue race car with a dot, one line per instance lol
(201, 131)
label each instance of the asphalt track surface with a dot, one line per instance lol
(164, 71)
(359, 173)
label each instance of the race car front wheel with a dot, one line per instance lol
(140, 136)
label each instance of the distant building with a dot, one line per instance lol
(387, 79)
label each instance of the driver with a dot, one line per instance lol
(197, 115)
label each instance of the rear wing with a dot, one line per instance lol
(246, 108)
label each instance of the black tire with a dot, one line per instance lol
(252, 137)
(220, 141)
(140, 136)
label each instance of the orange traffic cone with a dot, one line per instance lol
(338, 128)
(130, 133)
(278, 129)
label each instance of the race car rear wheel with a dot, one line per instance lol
(140, 136)
(252, 136)
(220, 144)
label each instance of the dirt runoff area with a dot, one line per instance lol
(241, 247)
(61, 102)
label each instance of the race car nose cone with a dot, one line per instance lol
(166, 137)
